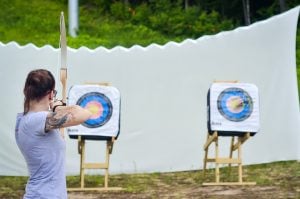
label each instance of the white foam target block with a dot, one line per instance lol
(234, 107)
(103, 102)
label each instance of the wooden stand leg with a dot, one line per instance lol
(82, 160)
(217, 164)
(205, 158)
(210, 139)
(107, 165)
(240, 160)
(231, 150)
(230, 155)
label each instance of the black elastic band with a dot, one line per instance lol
(64, 104)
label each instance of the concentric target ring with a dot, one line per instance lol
(235, 104)
(101, 107)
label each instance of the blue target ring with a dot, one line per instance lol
(99, 105)
(235, 104)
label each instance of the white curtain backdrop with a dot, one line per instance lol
(163, 95)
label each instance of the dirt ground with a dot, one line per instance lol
(278, 180)
(215, 192)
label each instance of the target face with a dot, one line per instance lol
(98, 104)
(104, 103)
(233, 107)
(235, 104)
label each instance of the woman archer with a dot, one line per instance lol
(38, 137)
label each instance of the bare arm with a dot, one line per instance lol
(65, 116)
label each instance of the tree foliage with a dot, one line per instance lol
(127, 22)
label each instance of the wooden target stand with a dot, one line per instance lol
(236, 145)
(104, 165)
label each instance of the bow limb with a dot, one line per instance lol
(63, 59)
(63, 56)
(63, 80)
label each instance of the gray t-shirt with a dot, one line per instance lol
(45, 157)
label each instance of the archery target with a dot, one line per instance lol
(104, 104)
(233, 107)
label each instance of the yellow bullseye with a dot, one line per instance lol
(93, 109)
(236, 103)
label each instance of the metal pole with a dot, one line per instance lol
(246, 6)
(73, 17)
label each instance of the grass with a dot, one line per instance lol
(38, 22)
(36, 26)
(12, 186)
(283, 176)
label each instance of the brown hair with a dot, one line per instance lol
(38, 84)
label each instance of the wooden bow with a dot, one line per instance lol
(63, 60)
